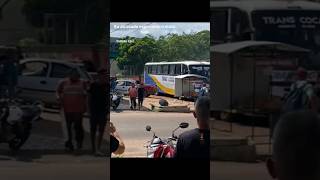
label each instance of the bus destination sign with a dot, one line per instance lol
(286, 19)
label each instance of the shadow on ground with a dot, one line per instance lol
(46, 139)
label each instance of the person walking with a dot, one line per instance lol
(140, 95)
(133, 96)
(98, 104)
(301, 95)
(72, 95)
(204, 90)
(113, 83)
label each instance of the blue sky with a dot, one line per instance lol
(155, 29)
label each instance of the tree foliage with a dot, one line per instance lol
(171, 47)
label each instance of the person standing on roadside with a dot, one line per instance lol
(195, 143)
(140, 95)
(301, 95)
(133, 93)
(204, 90)
(72, 95)
(113, 83)
(98, 103)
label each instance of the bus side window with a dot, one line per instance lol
(240, 27)
(154, 69)
(178, 69)
(185, 69)
(165, 69)
(172, 69)
(219, 18)
(149, 69)
(159, 71)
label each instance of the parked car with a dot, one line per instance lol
(123, 86)
(150, 90)
(38, 78)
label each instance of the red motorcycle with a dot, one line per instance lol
(163, 148)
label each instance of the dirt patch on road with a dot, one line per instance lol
(172, 102)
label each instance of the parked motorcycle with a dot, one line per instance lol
(163, 148)
(115, 100)
(16, 119)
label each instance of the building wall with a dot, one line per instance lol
(13, 25)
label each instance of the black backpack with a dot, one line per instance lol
(297, 99)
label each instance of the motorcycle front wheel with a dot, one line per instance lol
(116, 105)
(16, 143)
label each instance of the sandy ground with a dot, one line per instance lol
(155, 100)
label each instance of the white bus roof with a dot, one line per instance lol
(229, 48)
(252, 5)
(189, 75)
(180, 62)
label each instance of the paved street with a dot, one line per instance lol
(53, 167)
(152, 99)
(43, 156)
(222, 129)
(49, 134)
(233, 171)
(131, 126)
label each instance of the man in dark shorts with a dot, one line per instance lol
(98, 102)
(140, 95)
(196, 143)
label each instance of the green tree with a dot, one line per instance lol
(171, 47)
(136, 54)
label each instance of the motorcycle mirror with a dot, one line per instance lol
(148, 128)
(184, 125)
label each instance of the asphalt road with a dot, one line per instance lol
(43, 156)
(233, 170)
(56, 167)
(132, 127)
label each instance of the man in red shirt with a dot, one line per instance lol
(133, 93)
(72, 95)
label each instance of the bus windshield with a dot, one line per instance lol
(202, 70)
(296, 27)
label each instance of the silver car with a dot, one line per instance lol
(38, 78)
(124, 85)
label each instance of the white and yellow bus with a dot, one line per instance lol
(166, 76)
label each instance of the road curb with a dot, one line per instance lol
(56, 111)
(236, 149)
